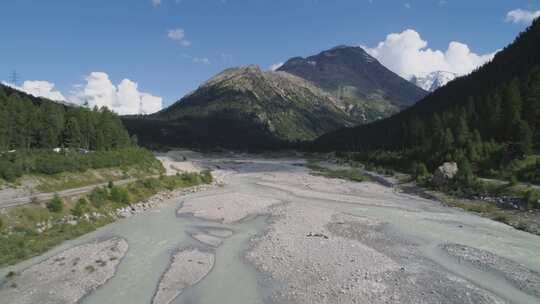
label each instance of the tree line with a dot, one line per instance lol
(27, 122)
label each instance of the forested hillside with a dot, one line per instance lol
(27, 122)
(31, 130)
(488, 118)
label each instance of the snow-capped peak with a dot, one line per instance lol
(434, 80)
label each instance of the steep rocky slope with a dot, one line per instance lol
(363, 86)
(245, 108)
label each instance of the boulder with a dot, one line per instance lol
(444, 173)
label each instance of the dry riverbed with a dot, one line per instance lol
(66, 277)
(320, 241)
(187, 268)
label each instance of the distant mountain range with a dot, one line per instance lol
(248, 108)
(434, 80)
(365, 88)
(245, 107)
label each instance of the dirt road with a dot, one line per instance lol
(171, 165)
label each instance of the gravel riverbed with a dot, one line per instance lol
(320, 241)
(66, 277)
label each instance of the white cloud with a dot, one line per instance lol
(122, 99)
(156, 3)
(39, 88)
(522, 16)
(407, 54)
(178, 35)
(202, 60)
(276, 66)
(407, 5)
(98, 91)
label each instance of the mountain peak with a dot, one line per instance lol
(232, 75)
(433, 80)
(364, 86)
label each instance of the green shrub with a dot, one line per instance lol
(119, 195)
(420, 172)
(501, 217)
(98, 197)
(1, 224)
(207, 176)
(532, 197)
(81, 207)
(56, 205)
(110, 184)
(513, 181)
(9, 171)
(151, 183)
(191, 178)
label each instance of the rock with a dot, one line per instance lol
(444, 173)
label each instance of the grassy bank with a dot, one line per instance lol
(47, 163)
(21, 228)
(352, 174)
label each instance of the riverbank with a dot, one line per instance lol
(31, 230)
(497, 200)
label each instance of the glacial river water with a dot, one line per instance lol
(153, 237)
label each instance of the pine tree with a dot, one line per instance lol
(531, 111)
(448, 141)
(437, 133)
(463, 134)
(3, 128)
(417, 132)
(523, 138)
(494, 115)
(465, 174)
(52, 120)
(511, 109)
(73, 133)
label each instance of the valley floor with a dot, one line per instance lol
(270, 232)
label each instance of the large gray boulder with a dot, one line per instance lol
(445, 173)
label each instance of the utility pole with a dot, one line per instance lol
(14, 77)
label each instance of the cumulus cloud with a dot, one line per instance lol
(407, 54)
(522, 16)
(125, 98)
(156, 3)
(276, 66)
(39, 88)
(178, 35)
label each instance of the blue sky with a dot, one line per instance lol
(63, 41)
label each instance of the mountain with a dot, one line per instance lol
(364, 87)
(434, 80)
(489, 117)
(244, 108)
